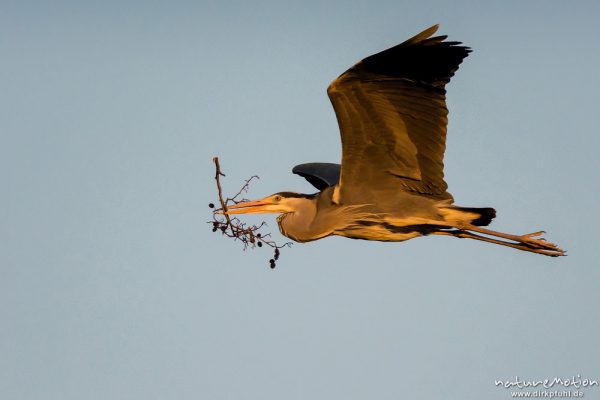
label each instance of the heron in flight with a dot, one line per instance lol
(391, 110)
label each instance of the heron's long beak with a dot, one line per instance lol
(252, 207)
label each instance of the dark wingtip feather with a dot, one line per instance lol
(421, 58)
(320, 175)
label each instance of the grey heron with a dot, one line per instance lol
(392, 115)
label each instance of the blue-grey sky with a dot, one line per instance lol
(113, 286)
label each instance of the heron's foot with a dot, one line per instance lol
(535, 241)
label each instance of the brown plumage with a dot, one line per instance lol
(391, 110)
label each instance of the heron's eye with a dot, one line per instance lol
(277, 198)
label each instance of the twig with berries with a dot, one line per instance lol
(249, 235)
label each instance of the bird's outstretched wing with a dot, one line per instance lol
(320, 175)
(391, 109)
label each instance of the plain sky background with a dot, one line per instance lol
(112, 285)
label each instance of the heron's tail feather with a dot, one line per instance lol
(476, 216)
(486, 215)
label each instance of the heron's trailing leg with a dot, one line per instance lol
(530, 239)
(524, 242)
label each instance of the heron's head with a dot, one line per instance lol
(278, 203)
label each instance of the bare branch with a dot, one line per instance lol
(249, 235)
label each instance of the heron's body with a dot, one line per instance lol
(317, 216)
(391, 109)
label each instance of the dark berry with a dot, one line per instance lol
(272, 265)
(214, 229)
(258, 235)
(259, 244)
(211, 205)
(223, 228)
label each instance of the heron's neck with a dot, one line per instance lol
(298, 225)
